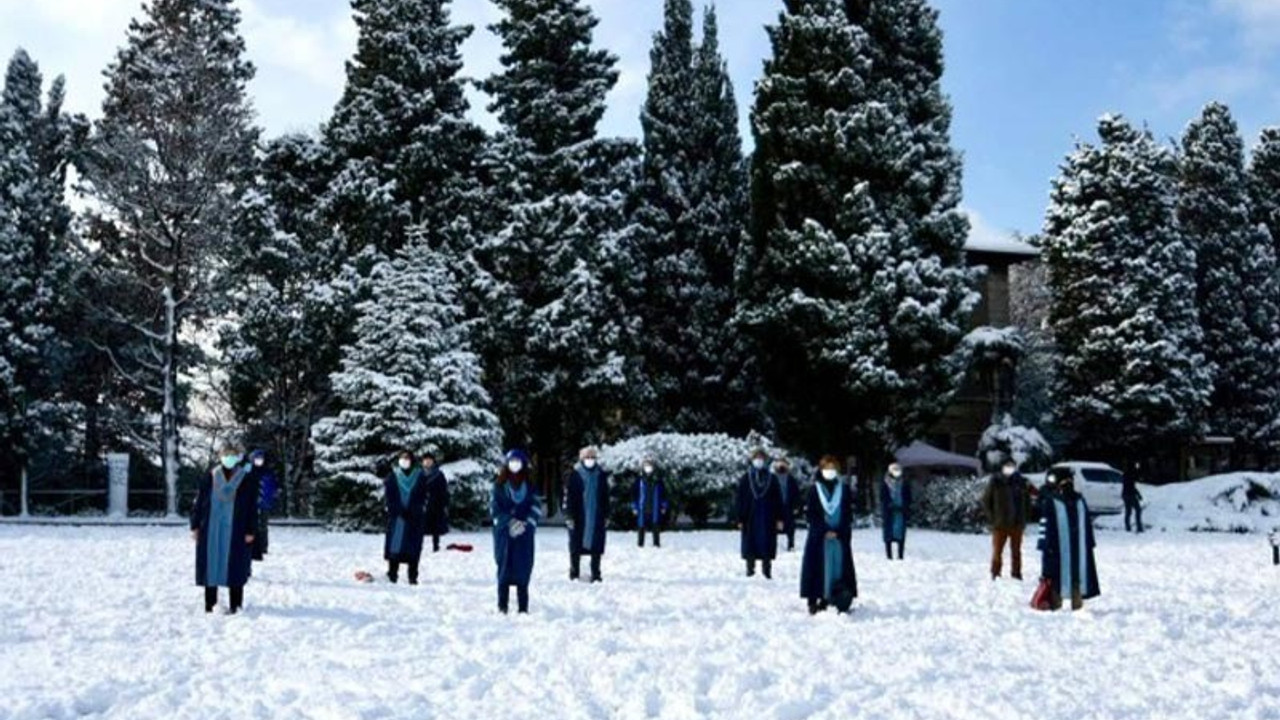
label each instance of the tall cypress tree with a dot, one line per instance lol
(1238, 295)
(553, 269)
(1264, 184)
(402, 146)
(171, 165)
(690, 216)
(1130, 377)
(37, 141)
(854, 282)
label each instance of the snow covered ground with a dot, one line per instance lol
(104, 622)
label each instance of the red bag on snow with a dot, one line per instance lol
(1040, 598)
(460, 547)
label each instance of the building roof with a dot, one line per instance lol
(1000, 245)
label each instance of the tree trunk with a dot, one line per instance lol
(169, 418)
(25, 509)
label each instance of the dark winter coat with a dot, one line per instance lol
(792, 500)
(414, 515)
(812, 573)
(514, 555)
(437, 502)
(649, 501)
(1007, 501)
(244, 521)
(267, 488)
(1129, 491)
(1066, 544)
(758, 512)
(888, 511)
(575, 508)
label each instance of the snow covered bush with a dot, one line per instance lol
(700, 470)
(1244, 502)
(1004, 440)
(950, 503)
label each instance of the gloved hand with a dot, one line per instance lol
(516, 528)
(568, 524)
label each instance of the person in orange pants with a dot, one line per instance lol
(1007, 502)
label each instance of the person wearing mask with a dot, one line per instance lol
(1007, 503)
(895, 510)
(586, 507)
(516, 511)
(223, 522)
(789, 490)
(265, 479)
(437, 499)
(649, 501)
(1066, 543)
(406, 501)
(758, 507)
(827, 575)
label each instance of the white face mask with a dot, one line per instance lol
(259, 462)
(1007, 471)
(895, 472)
(830, 474)
(405, 463)
(515, 466)
(589, 462)
(230, 461)
(648, 469)
(757, 464)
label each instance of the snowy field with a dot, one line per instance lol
(104, 622)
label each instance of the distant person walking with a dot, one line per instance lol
(1007, 502)
(1132, 503)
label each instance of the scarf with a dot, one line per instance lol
(405, 483)
(517, 493)
(222, 510)
(832, 552)
(759, 481)
(591, 504)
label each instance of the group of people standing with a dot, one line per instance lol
(229, 523)
(1068, 570)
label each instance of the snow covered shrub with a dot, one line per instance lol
(700, 470)
(950, 503)
(1004, 440)
(470, 483)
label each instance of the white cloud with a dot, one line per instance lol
(1259, 21)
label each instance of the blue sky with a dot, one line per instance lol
(1027, 77)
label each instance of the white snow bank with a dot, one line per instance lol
(105, 623)
(1245, 502)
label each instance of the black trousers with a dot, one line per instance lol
(575, 566)
(435, 543)
(888, 548)
(504, 597)
(1135, 510)
(211, 598)
(393, 571)
(767, 566)
(657, 535)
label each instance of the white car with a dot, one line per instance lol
(1099, 483)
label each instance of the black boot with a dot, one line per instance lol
(657, 538)
(768, 570)
(595, 569)
(237, 599)
(641, 537)
(814, 608)
(413, 573)
(504, 597)
(522, 599)
(210, 599)
(902, 548)
(888, 550)
(751, 568)
(575, 566)
(435, 543)
(393, 571)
